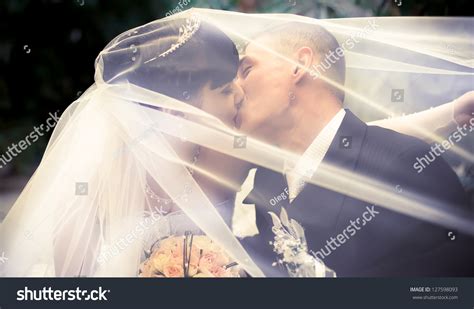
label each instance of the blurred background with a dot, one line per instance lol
(48, 48)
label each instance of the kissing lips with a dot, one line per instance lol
(237, 120)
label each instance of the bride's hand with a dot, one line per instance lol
(463, 108)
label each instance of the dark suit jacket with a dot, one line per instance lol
(386, 243)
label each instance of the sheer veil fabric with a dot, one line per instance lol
(122, 132)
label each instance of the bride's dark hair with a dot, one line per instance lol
(208, 55)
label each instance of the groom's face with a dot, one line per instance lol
(265, 79)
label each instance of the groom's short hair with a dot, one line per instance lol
(293, 35)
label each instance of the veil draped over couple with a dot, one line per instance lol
(160, 147)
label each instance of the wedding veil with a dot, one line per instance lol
(128, 128)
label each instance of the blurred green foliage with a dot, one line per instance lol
(47, 53)
(48, 48)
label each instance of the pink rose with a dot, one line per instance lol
(213, 258)
(208, 260)
(220, 272)
(173, 271)
(214, 272)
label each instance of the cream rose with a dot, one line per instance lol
(159, 261)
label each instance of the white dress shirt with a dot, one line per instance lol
(312, 157)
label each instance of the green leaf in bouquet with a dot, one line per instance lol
(284, 218)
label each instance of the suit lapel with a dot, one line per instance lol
(270, 192)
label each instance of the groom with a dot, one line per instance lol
(288, 106)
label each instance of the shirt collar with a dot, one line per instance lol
(314, 154)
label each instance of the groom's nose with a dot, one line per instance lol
(238, 81)
(238, 96)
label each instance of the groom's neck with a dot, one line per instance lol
(309, 117)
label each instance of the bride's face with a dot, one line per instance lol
(223, 102)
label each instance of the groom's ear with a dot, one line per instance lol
(304, 58)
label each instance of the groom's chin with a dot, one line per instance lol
(250, 124)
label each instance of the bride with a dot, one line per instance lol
(148, 153)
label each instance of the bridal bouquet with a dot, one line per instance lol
(188, 256)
